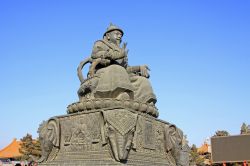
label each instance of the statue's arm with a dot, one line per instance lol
(141, 70)
(98, 51)
(133, 69)
(101, 51)
(115, 55)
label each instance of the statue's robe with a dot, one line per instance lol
(114, 77)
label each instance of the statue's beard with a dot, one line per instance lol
(116, 42)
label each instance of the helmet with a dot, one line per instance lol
(112, 28)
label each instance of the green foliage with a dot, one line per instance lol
(29, 147)
(195, 158)
(220, 133)
(36, 148)
(244, 129)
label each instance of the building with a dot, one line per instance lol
(10, 152)
(205, 152)
(204, 149)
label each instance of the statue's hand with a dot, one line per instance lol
(107, 55)
(144, 71)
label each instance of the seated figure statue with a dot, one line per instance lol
(110, 76)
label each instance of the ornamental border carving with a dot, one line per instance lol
(104, 103)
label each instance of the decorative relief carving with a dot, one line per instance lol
(159, 136)
(122, 120)
(120, 125)
(120, 131)
(116, 113)
(176, 144)
(149, 135)
(91, 104)
(82, 133)
(49, 137)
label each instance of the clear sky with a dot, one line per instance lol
(198, 52)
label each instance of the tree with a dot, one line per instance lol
(244, 129)
(29, 147)
(36, 152)
(195, 158)
(220, 133)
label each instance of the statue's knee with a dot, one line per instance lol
(116, 67)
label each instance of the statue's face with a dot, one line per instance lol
(115, 37)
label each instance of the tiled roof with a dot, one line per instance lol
(12, 150)
(205, 148)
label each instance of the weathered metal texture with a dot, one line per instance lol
(230, 148)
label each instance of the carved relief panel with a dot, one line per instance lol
(81, 133)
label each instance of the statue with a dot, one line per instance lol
(115, 120)
(110, 75)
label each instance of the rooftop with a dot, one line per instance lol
(11, 150)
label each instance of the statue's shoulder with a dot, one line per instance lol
(104, 44)
(100, 42)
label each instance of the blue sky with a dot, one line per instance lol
(198, 53)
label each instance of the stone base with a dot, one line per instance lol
(103, 158)
(105, 137)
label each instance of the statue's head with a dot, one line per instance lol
(113, 34)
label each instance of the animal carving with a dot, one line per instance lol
(120, 133)
(49, 138)
(175, 142)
